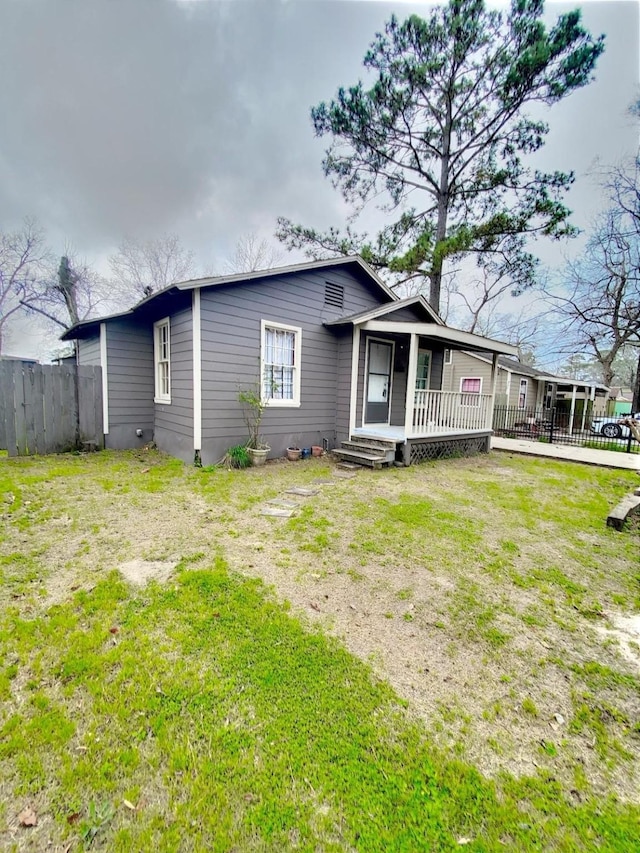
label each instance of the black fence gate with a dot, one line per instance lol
(557, 427)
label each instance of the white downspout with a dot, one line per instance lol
(105, 378)
(197, 370)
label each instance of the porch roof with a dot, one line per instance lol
(455, 338)
(417, 301)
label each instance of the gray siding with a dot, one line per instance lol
(130, 383)
(89, 351)
(437, 364)
(343, 390)
(174, 421)
(399, 387)
(405, 315)
(231, 330)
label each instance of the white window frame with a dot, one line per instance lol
(477, 394)
(160, 396)
(524, 384)
(428, 377)
(448, 356)
(272, 402)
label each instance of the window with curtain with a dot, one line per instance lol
(281, 364)
(470, 389)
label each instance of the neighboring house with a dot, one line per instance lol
(525, 388)
(338, 355)
(620, 401)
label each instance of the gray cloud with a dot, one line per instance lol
(150, 116)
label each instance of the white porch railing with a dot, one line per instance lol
(450, 411)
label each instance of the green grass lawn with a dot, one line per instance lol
(205, 714)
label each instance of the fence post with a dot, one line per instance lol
(629, 440)
(553, 423)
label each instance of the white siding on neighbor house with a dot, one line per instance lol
(466, 365)
(231, 339)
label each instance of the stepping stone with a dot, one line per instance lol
(305, 493)
(324, 481)
(346, 475)
(348, 466)
(283, 504)
(277, 512)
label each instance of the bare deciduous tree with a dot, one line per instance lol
(252, 253)
(598, 310)
(476, 307)
(141, 267)
(24, 258)
(67, 296)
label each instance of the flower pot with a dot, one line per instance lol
(293, 454)
(259, 456)
(316, 450)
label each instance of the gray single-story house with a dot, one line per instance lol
(338, 355)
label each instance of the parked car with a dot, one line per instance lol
(609, 426)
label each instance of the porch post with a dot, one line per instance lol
(355, 358)
(584, 404)
(412, 372)
(573, 409)
(494, 382)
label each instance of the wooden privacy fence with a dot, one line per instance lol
(49, 408)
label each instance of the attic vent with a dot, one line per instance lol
(334, 295)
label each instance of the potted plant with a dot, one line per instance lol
(293, 452)
(252, 411)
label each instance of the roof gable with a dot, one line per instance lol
(86, 327)
(418, 303)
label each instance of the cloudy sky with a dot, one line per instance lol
(152, 116)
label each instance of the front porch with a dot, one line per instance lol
(437, 413)
(397, 404)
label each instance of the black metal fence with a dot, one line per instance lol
(557, 426)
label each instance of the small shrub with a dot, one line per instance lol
(237, 457)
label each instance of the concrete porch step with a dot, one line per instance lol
(360, 457)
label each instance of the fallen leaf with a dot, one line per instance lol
(114, 630)
(129, 805)
(73, 818)
(145, 470)
(314, 606)
(28, 817)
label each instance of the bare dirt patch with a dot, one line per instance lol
(140, 572)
